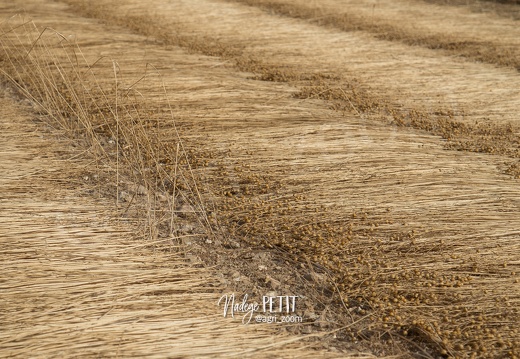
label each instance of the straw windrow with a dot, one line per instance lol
(83, 279)
(412, 246)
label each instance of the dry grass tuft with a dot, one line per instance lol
(137, 147)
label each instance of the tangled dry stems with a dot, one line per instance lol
(133, 144)
(370, 262)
